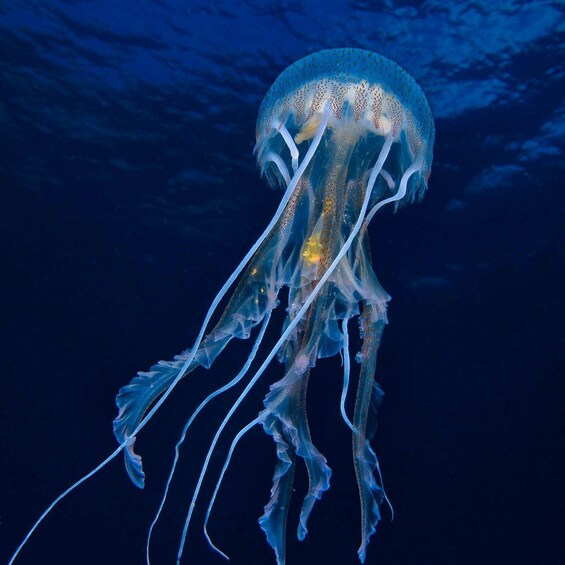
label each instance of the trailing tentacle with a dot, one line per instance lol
(273, 522)
(285, 419)
(133, 402)
(368, 398)
(319, 472)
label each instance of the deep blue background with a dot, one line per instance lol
(129, 192)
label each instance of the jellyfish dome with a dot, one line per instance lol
(368, 97)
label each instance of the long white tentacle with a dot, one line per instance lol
(399, 195)
(235, 441)
(217, 392)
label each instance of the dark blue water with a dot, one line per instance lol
(129, 192)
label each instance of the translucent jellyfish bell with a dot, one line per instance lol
(368, 97)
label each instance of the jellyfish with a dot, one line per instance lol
(343, 133)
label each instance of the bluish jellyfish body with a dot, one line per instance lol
(343, 133)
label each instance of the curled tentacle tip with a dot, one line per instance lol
(301, 533)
